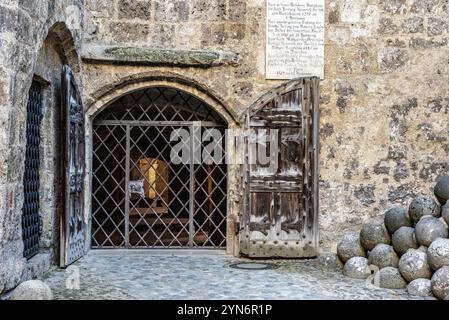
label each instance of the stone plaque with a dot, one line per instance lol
(294, 39)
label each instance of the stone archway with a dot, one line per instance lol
(108, 95)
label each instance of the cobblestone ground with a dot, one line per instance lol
(203, 275)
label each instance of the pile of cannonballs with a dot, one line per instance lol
(409, 248)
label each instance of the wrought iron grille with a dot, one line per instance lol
(30, 212)
(140, 198)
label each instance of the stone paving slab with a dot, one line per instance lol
(204, 275)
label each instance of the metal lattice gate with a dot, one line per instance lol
(31, 183)
(140, 197)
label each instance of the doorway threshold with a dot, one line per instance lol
(188, 252)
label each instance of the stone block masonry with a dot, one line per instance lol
(24, 26)
(388, 140)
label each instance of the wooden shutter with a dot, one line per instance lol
(280, 207)
(73, 226)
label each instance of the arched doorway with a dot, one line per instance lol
(143, 196)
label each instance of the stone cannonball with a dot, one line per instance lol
(440, 283)
(438, 254)
(350, 247)
(445, 212)
(357, 268)
(32, 290)
(423, 249)
(420, 287)
(330, 261)
(397, 217)
(383, 256)
(428, 229)
(403, 239)
(423, 206)
(413, 265)
(390, 278)
(441, 190)
(374, 233)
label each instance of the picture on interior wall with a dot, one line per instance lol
(294, 39)
(252, 150)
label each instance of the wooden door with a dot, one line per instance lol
(280, 207)
(73, 226)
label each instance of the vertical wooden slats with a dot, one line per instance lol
(288, 227)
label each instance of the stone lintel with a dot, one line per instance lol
(154, 56)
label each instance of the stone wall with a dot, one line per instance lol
(24, 26)
(384, 99)
(384, 109)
